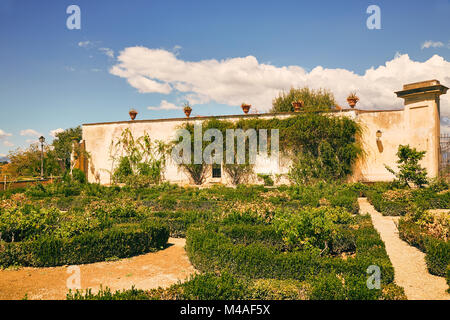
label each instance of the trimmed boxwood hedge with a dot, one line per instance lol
(212, 250)
(437, 251)
(120, 241)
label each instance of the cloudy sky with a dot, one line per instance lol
(155, 55)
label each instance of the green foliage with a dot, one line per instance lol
(311, 227)
(107, 294)
(410, 169)
(212, 250)
(438, 256)
(268, 181)
(141, 157)
(274, 289)
(437, 251)
(314, 100)
(78, 176)
(27, 162)
(63, 144)
(448, 278)
(211, 287)
(123, 170)
(120, 241)
(321, 147)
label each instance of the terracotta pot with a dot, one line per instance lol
(133, 114)
(352, 102)
(187, 112)
(298, 105)
(245, 108)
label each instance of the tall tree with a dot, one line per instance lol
(27, 162)
(313, 100)
(63, 144)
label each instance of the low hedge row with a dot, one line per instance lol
(117, 242)
(437, 251)
(230, 287)
(211, 250)
(386, 208)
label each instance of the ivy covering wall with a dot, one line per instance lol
(321, 147)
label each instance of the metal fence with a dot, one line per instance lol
(7, 183)
(444, 163)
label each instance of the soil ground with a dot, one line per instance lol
(158, 269)
(410, 268)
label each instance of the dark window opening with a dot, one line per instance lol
(216, 171)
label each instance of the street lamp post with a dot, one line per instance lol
(42, 140)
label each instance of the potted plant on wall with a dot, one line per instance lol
(133, 113)
(187, 109)
(352, 99)
(245, 107)
(298, 105)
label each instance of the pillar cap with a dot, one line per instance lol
(429, 86)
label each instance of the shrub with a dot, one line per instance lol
(448, 278)
(410, 169)
(267, 179)
(310, 227)
(120, 241)
(211, 287)
(274, 289)
(438, 256)
(106, 294)
(437, 251)
(210, 250)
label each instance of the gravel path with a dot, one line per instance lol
(410, 268)
(158, 269)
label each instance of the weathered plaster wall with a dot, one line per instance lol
(98, 138)
(417, 125)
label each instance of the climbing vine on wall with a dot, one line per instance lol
(320, 146)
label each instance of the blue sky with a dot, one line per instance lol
(52, 77)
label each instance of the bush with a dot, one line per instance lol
(210, 287)
(274, 289)
(437, 251)
(310, 227)
(120, 241)
(448, 278)
(106, 294)
(210, 250)
(438, 256)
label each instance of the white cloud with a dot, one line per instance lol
(85, 44)
(107, 51)
(8, 143)
(30, 133)
(432, 44)
(235, 80)
(53, 133)
(165, 106)
(2, 155)
(4, 134)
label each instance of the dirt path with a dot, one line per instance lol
(152, 270)
(409, 263)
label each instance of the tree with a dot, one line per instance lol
(313, 100)
(63, 144)
(27, 163)
(410, 169)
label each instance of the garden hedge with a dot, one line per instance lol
(437, 251)
(211, 249)
(117, 242)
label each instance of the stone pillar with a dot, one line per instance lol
(422, 118)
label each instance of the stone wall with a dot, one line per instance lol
(417, 124)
